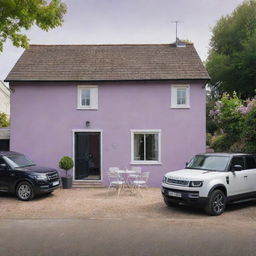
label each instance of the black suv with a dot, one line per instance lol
(19, 175)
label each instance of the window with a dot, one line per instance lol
(237, 161)
(145, 146)
(250, 162)
(180, 97)
(87, 97)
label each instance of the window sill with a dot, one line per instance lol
(180, 107)
(145, 163)
(79, 108)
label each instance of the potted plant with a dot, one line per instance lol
(66, 163)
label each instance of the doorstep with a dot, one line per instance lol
(87, 184)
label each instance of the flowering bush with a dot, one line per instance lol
(236, 121)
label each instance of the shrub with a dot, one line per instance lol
(249, 132)
(208, 139)
(221, 143)
(66, 163)
(236, 121)
(4, 121)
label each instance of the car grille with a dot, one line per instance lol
(183, 183)
(52, 176)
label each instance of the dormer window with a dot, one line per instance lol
(87, 97)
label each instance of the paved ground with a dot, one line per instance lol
(122, 237)
(88, 222)
(96, 203)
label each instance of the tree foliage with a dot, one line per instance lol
(4, 120)
(232, 56)
(18, 15)
(236, 122)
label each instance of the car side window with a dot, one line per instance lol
(250, 162)
(236, 160)
(2, 162)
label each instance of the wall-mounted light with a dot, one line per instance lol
(87, 123)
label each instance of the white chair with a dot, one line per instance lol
(113, 169)
(137, 174)
(141, 182)
(115, 180)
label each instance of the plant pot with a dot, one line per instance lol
(66, 182)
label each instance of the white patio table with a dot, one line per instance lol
(125, 175)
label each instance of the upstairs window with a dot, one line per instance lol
(180, 96)
(87, 97)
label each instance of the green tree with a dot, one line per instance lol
(17, 15)
(4, 121)
(232, 56)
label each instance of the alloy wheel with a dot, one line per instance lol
(218, 203)
(24, 191)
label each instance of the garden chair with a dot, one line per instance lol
(133, 176)
(141, 182)
(115, 181)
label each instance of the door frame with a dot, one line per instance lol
(101, 162)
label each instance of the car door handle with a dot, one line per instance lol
(12, 174)
(245, 176)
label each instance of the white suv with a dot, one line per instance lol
(212, 181)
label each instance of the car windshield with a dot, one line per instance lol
(209, 163)
(16, 161)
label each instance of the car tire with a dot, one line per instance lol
(216, 204)
(171, 203)
(25, 191)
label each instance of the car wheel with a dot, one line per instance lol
(24, 191)
(217, 203)
(171, 203)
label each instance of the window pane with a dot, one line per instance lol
(217, 163)
(181, 96)
(139, 147)
(152, 147)
(250, 162)
(237, 161)
(86, 97)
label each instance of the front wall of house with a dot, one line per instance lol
(43, 116)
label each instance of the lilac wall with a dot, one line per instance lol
(44, 114)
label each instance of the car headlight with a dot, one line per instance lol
(164, 179)
(41, 177)
(196, 183)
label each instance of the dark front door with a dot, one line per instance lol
(4, 145)
(87, 156)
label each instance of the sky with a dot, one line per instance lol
(128, 21)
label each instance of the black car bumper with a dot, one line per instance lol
(46, 187)
(185, 197)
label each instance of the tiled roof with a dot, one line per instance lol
(108, 63)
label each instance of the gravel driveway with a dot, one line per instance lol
(96, 203)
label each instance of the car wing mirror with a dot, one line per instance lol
(237, 167)
(186, 164)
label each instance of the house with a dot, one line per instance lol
(109, 105)
(4, 99)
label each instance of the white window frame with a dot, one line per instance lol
(174, 99)
(145, 162)
(93, 96)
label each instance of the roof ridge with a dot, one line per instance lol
(172, 44)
